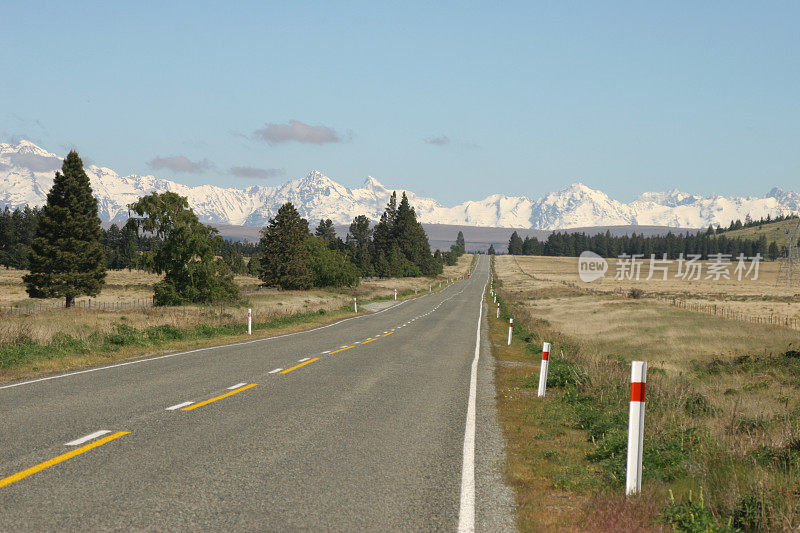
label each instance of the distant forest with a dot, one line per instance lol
(712, 241)
(396, 246)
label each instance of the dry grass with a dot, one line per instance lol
(42, 327)
(751, 402)
(760, 297)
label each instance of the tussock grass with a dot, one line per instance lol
(721, 413)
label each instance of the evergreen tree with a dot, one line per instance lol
(327, 232)
(773, 252)
(66, 258)
(462, 245)
(515, 244)
(383, 233)
(381, 265)
(491, 249)
(183, 251)
(285, 262)
(253, 266)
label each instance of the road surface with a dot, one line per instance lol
(365, 424)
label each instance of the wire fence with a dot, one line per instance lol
(88, 303)
(681, 303)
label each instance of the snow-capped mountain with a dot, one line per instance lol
(26, 175)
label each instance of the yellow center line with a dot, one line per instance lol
(367, 342)
(304, 363)
(55, 460)
(340, 350)
(212, 400)
(387, 334)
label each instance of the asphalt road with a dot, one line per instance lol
(359, 425)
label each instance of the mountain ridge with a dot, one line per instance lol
(27, 170)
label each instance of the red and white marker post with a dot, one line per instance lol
(543, 369)
(355, 304)
(249, 321)
(510, 329)
(498, 310)
(633, 479)
(395, 295)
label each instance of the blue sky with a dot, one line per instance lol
(450, 99)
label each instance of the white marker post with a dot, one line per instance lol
(249, 321)
(543, 369)
(395, 295)
(355, 305)
(498, 310)
(510, 329)
(633, 479)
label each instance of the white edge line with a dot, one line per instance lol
(90, 436)
(176, 407)
(466, 512)
(275, 371)
(237, 386)
(145, 359)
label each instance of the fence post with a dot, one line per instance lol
(510, 329)
(543, 369)
(633, 478)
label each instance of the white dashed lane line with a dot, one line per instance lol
(90, 436)
(176, 407)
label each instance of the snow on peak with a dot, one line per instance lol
(27, 170)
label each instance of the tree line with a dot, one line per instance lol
(671, 244)
(67, 252)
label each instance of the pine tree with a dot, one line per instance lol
(285, 262)
(381, 265)
(491, 249)
(67, 258)
(515, 244)
(359, 244)
(327, 232)
(461, 243)
(383, 234)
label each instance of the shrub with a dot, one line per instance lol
(636, 294)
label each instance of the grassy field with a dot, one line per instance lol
(763, 296)
(59, 339)
(774, 232)
(722, 415)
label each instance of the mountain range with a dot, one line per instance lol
(27, 170)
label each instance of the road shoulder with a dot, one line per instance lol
(495, 501)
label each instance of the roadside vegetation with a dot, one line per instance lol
(189, 287)
(722, 426)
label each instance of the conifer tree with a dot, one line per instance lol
(67, 258)
(327, 232)
(461, 243)
(359, 245)
(515, 244)
(285, 262)
(383, 233)
(491, 249)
